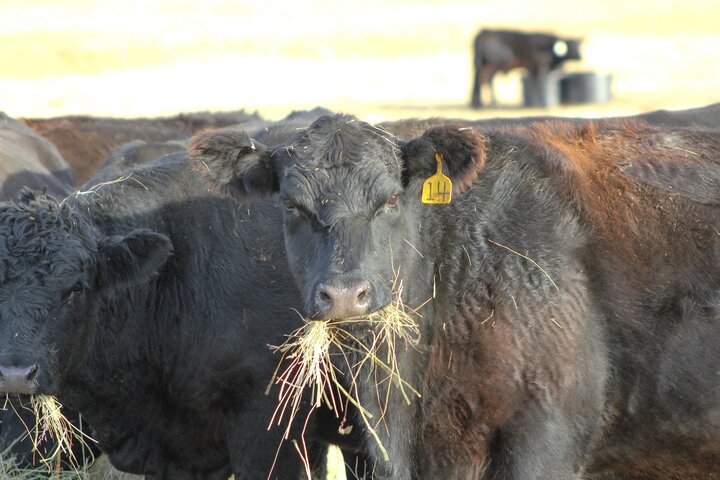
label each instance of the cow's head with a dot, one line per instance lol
(566, 49)
(54, 268)
(351, 197)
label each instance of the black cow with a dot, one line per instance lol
(707, 116)
(29, 160)
(148, 304)
(573, 280)
(503, 50)
(275, 132)
(139, 152)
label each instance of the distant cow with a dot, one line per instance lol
(149, 306)
(503, 50)
(86, 141)
(571, 316)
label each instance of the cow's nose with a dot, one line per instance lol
(342, 301)
(20, 380)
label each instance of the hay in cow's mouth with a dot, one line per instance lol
(51, 422)
(306, 363)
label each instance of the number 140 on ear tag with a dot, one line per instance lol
(438, 188)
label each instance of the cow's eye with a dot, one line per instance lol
(75, 289)
(392, 201)
(289, 205)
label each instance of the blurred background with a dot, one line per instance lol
(378, 59)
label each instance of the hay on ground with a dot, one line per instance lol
(50, 422)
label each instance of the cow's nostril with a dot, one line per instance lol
(32, 372)
(362, 294)
(324, 296)
(343, 299)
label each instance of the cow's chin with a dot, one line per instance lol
(37, 390)
(51, 391)
(363, 319)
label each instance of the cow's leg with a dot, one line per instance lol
(550, 434)
(172, 472)
(611, 477)
(357, 467)
(493, 99)
(541, 445)
(318, 461)
(398, 439)
(255, 451)
(476, 98)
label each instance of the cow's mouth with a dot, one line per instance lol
(322, 352)
(357, 318)
(363, 318)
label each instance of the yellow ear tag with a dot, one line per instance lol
(438, 188)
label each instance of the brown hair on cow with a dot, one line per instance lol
(624, 210)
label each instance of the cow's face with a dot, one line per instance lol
(567, 49)
(351, 203)
(573, 49)
(54, 267)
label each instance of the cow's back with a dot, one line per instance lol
(86, 141)
(502, 50)
(27, 159)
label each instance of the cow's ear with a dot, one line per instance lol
(463, 154)
(133, 258)
(234, 163)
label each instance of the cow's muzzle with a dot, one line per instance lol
(19, 379)
(348, 297)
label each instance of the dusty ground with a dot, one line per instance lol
(380, 59)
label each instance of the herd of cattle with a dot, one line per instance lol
(572, 330)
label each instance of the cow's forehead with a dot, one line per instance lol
(42, 242)
(342, 158)
(342, 141)
(341, 190)
(44, 260)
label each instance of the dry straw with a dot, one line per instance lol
(50, 422)
(366, 346)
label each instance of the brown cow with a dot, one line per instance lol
(86, 141)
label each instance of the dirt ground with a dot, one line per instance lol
(379, 59)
